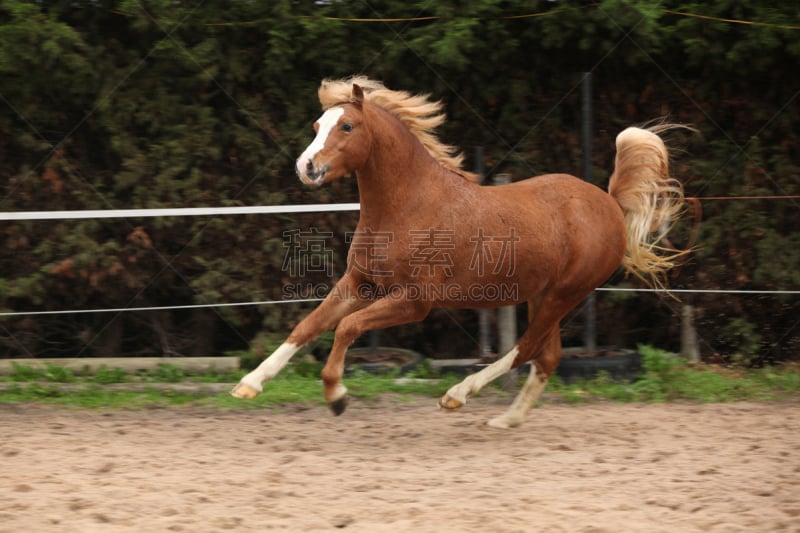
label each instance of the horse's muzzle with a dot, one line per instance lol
(311, 174)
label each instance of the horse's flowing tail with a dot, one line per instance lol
(650, 199)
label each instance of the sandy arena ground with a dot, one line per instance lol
(396, 465)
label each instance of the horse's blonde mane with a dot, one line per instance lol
(416, 111)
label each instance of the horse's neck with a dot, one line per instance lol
(404, 192)
(401, 178)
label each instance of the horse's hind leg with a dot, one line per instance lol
(540, 344)
(458, 394)
(529, 345)
(534, 386)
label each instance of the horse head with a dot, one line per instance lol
(342, 143)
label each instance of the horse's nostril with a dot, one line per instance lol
(310, 167)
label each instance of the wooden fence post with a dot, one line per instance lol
(689, 346)
(506, 318)
(484, 315)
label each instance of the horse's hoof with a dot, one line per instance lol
(502, 422)
(338, 406)
(450, 404)
(244, 391)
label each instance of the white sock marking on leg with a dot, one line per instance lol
(339, 393)
(476, 382)
(270, 366)
(523, 403)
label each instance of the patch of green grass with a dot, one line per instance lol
(167, 374)
(93, 397)
(106, 376)
(298, 383)
(59, 374)
(54, 373)
(211, 376)
(664, 378)
(782, 379)
(24, 372)
(368, 386)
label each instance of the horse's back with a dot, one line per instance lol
(568, 223)
(560, 201)
(549, 194)
(558, 187)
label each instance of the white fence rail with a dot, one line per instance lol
(178, 212)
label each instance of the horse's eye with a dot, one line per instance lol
(347, 127)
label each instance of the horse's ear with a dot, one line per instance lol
(358, 94)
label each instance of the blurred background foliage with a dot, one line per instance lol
(163, 103)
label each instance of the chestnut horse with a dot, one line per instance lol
(429, 236)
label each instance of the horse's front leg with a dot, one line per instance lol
(384, 313)
(340, 302)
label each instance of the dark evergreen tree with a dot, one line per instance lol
(128, 104)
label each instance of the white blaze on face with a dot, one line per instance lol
(326, 123)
